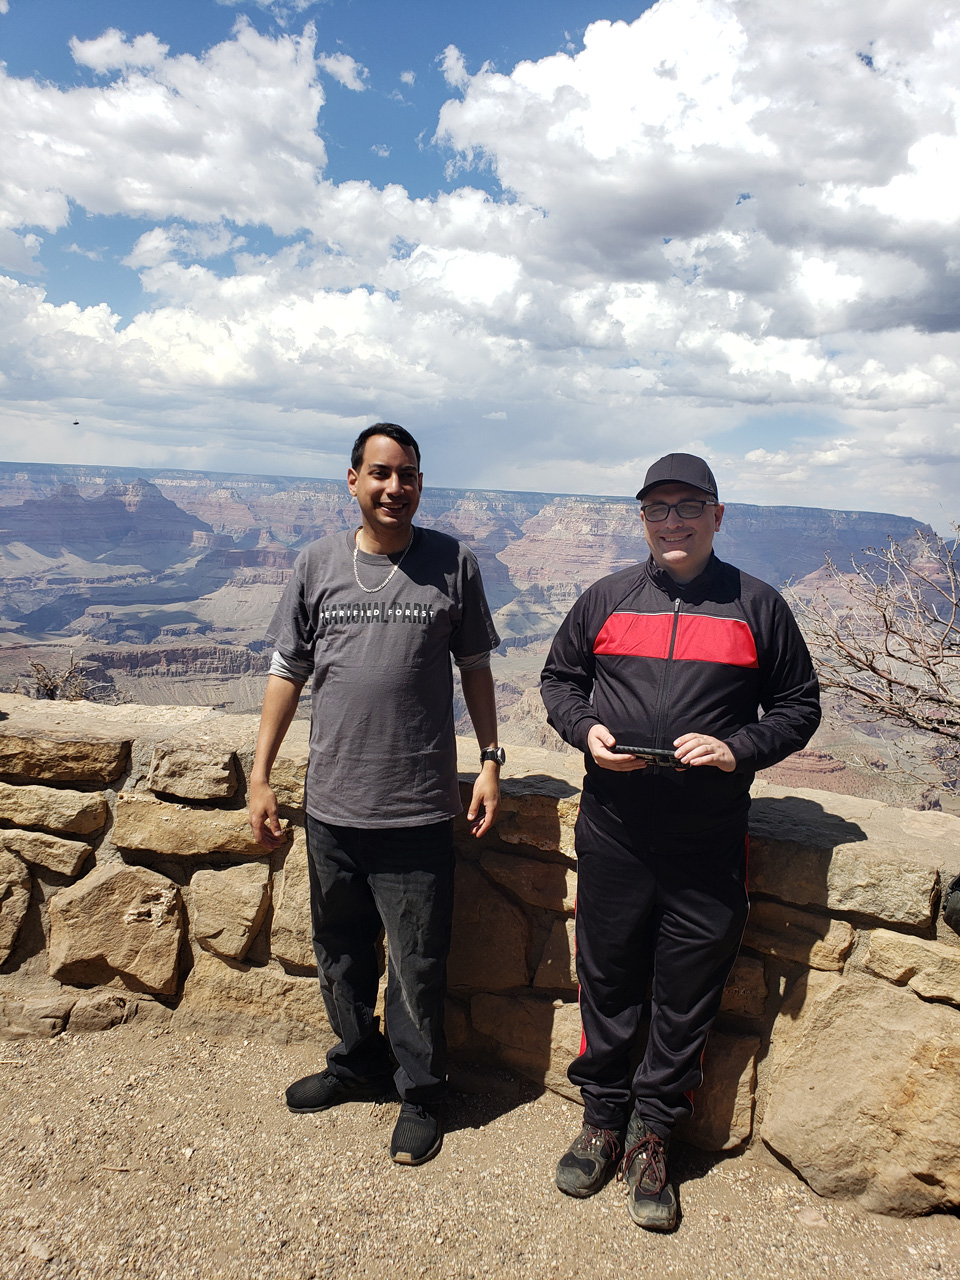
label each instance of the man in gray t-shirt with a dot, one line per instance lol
(374, 616)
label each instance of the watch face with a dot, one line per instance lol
(493, 753)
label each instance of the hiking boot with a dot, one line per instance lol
(417, 1135)
(323, 1090)
(652, 1202)
(587, 1163)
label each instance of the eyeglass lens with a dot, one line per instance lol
(689, 509)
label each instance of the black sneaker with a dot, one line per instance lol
(418, 1134)
(589, 1160)
(324, 1090)
(652, 1201)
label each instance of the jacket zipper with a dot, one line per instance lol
(665, 683)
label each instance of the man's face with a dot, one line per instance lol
(681, 547)
(387, 486)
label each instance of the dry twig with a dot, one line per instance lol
(886, 641)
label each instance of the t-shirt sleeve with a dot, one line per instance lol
(475, 632)
(290, 630)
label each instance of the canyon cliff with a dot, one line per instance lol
(162, 582)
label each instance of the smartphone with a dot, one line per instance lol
(652, 755)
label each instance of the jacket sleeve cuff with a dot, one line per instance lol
(578, 734)
(744, 752)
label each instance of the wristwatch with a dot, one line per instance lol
(496, 754)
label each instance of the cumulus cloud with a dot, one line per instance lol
(112, 51)
(729, 226)
(19, 252)
(344, 69)
(230, 135)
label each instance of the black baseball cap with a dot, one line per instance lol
(679, 468)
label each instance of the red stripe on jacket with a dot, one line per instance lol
(699, 638)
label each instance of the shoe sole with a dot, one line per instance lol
(407, 1158)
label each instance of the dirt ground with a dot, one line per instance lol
(148, 1151)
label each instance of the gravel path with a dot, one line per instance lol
(163, 1154)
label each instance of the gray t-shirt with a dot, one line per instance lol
(382, 747)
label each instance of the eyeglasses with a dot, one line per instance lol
(687, 509)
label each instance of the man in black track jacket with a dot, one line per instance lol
(688, 655)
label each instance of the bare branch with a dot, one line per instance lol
(886, 638)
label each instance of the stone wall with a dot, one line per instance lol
(130, 887)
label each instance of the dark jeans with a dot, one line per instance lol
(400, 879)
(661, 913)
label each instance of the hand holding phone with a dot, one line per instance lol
(652, 755)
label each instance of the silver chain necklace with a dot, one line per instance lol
(373, 590)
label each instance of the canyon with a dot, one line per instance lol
(160, 584)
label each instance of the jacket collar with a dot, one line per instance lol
(685, 590)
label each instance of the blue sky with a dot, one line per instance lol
(553, 239)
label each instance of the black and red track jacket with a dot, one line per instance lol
(651, 659)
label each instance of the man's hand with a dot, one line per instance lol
(698, 748)
(599, 740)
(485, 801)
(264, 817)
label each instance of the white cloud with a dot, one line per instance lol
(19, 252)
(408, 77)
(4, 6)
(94, 255)
(112, 51)
(283, 11)
(229, 135)
(344, 69)
(722, 230)
(453, 67)
(380, 149)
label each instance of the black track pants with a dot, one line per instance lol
(400, 880)
(659, 913)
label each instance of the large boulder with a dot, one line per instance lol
(723, 1104)
(539, 812)
(101, 1010)
(14, 898)
(227, 907)
(65, 857)
(852, 878)
(745, 993)
(62, 757)
(231, 993)
(931, 969)
(176, 831)
(806, 937)
(56, 809)
(864, 1091)
(490, 936)
(117, 922)
(538, 1038)
(204, 772)
(542, 884)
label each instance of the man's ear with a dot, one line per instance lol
(717, 517)
(352, 479)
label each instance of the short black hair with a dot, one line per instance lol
(390, 429)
